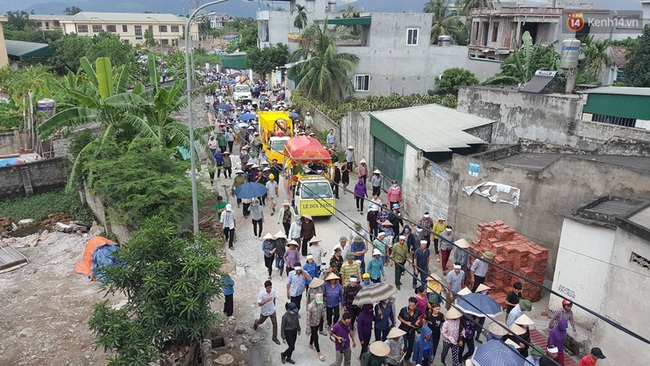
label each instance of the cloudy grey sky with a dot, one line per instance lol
(234, 7)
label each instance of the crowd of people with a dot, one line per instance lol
(387, 333)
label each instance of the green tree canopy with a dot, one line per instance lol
(72, 10)
(637, 71)
(452, 78)
(18, 21)
(141, 181)
(169, 283)
(149, 40)
(264, 60)
(69, 50)
(300, 21)
(323, 72)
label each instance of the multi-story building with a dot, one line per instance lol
(219, 20)
(496, 33)
(277, 26)
(166, 28)
(44, 22)
(395, 51)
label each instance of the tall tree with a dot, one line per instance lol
(596, 57)
(264, 60)
(69, 50)
(468, 5)
(300, 20)
(18, 21)
(637, 71)
(322, 70)
(72, 10)
(445, 22)
(149, 40)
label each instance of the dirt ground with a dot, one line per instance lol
(45, 306)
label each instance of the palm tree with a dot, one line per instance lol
(323, 71)
(301, 18)
(473, 4)
(596, 58)
(445, 23)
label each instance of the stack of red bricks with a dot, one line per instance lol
(514, 252)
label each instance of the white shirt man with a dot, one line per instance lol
(266, 302)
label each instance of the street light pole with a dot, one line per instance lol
(189, 73)
(159, 32)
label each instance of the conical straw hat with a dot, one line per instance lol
(453, 314)
(395, 332)
(524, 320)
(379, 349)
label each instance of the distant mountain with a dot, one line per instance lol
(239, 8)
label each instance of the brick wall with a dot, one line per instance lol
(31, 178)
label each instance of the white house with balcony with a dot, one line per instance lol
(166, 28)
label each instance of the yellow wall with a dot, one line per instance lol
(4, 61)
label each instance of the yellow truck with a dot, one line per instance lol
(314, 196)
(275, 128)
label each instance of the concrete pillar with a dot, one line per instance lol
(27, 180)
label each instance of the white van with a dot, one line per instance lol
(242, 92)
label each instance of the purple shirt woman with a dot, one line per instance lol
(360, 192)
(365, 319)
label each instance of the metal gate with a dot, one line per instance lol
(389, 161)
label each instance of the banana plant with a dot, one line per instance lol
(104, 101)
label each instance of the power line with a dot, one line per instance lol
(417, 278)
(526, 279)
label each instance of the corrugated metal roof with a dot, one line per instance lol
(88, 16)
(432, 127)
(49, 17)
(27, 49)
(619, 90)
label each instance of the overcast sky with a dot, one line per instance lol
(234, 7)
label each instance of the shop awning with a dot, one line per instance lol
(348, 21)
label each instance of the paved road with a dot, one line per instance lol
(248, 254)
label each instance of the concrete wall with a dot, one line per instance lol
(31, 178)
(322, 122)
(554, 118)
(426, 186)
(562, 184)
(96, 206)
(11, 142)
(279, 24)
(625, 301)
(402, 79)
(548, 118)
(599, 131)
(586, 247)
(355, 131)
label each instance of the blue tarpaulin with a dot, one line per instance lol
(103, 256)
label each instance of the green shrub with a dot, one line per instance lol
(39, 206)
(140, 182)
(79, 140)
(169, 283)
(453, 78)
